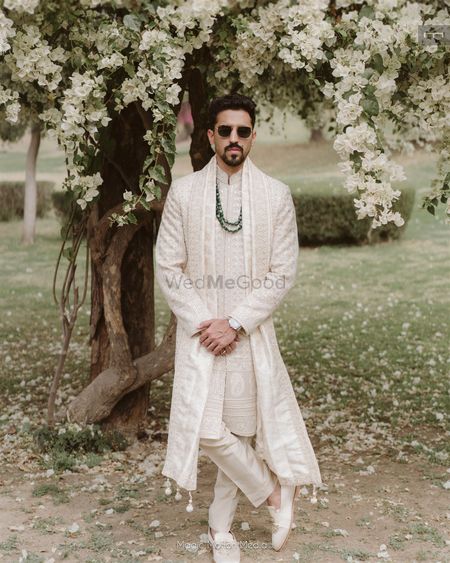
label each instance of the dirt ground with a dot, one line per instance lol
(370, 509)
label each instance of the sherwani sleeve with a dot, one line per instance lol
(170, 261)
(262, 301)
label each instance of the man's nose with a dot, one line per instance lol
(234, 136)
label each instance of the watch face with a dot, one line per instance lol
(234, 324)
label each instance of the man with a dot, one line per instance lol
(226, 255)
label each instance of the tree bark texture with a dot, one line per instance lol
(30, 192)
(122, 288)
(124, 357)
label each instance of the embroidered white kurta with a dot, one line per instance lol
(232, 390)
(185, 264)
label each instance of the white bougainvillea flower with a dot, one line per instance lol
(21, 5)
(6, 31)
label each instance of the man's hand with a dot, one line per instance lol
(217, 335)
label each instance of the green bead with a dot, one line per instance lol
(220, 216)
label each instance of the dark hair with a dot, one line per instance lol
(230, 101)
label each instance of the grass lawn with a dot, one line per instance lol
(364, 333)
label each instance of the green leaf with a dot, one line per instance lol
(170, 158)
(131, 21)
(368, 73)
(367, 12)
(166, 145)
(377, 63)
(158, 173)
(370, 106)
(346, 95)
(148, 161)
(68, 253)
(129, 69)
(132, 218)
(431, 209)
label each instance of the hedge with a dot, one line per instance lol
(62, 202)
(330, 218)
(11, 199)
(325, 214)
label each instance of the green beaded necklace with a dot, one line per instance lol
(236, 225)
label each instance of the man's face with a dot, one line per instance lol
(232, 149)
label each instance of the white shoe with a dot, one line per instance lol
(283, 517)
(225, 547)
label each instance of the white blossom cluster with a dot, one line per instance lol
(6, 31)
(357, 64)
(88, 187)
(8, 98)
(256, 45)
(21, 5)
(305, 32)
(33, 60)
(364, 92)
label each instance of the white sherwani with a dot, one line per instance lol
(186, 262)
(232, 391)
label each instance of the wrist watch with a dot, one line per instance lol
(234, 324)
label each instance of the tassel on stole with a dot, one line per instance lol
(178, 496)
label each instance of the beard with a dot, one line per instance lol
(233, 159)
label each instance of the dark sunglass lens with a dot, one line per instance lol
(224, 130)
(244, 132)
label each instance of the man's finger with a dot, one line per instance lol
(205, 324)
(217, 348)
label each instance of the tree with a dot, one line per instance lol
(107, 78)
(13, 132)
(30, 192)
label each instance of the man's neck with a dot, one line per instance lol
(230, 170)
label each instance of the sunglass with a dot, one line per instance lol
(225, 131)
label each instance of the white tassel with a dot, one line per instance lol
(178, 494)
(189, 507)
(168, 490)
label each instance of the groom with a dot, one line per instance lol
(236, 226)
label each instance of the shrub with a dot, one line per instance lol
(326, 216)
(62, 203)
(11, 199)
(73, 439)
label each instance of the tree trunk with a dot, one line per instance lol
(122, 275)
(30, 192)
(118, 383)
(200, 150)
(316, 136)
